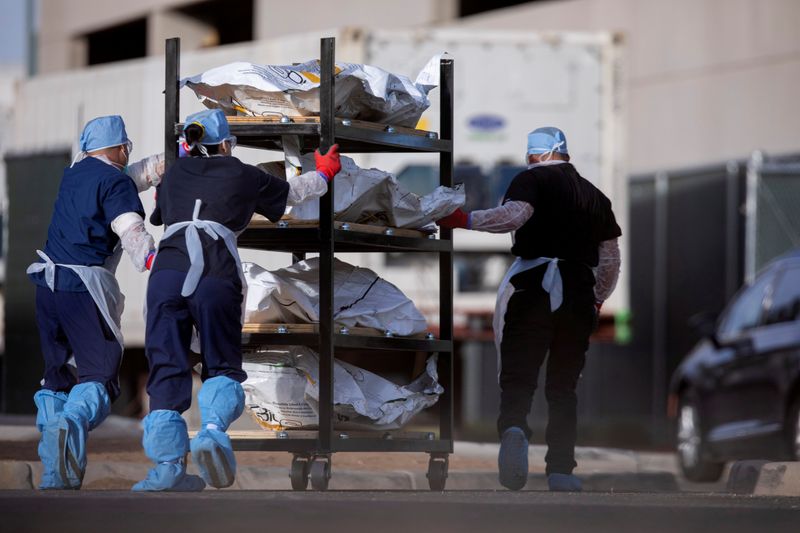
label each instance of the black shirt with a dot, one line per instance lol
(230, 192)
(571, 217)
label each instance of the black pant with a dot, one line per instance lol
(215, 308)
(531, 331)
(71, 324)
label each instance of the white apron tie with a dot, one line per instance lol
(101, 284)
(551, 283)
(194, 247)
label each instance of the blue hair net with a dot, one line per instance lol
(546, 140)
(103, 132)
(214, 124)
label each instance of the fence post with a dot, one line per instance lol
(751, 214)
(660, 296)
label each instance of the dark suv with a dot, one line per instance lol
(737, 393)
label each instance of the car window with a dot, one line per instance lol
(785, 297)
(747, 308)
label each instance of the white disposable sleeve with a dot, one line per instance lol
(136, 242)
(306, 186)
(508, 217)
(607, 271)
(147, 172)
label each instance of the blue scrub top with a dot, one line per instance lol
(230, 192)
(91, 195)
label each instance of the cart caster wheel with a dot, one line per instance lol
(299, 472)
(320, 473)
(437, 472)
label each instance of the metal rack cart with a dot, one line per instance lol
(312, 450)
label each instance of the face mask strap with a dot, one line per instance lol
(80, 156)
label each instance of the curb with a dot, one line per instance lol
(122, 475)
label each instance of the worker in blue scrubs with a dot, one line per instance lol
(197, 282)
(97, 214)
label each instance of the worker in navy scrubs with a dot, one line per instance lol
(204, 201)
(97, 214)
(567, 264)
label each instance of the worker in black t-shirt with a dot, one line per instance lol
(565, 239)
(196, 282)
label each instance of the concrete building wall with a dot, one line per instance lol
(705, 80)
(63, 24)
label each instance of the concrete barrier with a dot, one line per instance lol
(16, 475)
(743, 476)
(779, 479)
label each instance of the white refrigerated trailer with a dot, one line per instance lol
(507, 83)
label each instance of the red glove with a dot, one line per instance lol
(328, 165)
(456, 219)
(148, 263)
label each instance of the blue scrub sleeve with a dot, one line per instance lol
(120, 196)
(155, 216)
(272, 196)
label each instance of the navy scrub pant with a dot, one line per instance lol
(215, 309)
(531, 331)
(70, 324)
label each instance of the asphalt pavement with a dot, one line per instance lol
(400, 511)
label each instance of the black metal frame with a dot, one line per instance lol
(309, 240)
(326, 240)
(351, 138)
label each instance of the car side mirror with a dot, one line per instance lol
(705, 325)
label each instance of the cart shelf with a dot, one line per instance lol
(353, 136)
(346, 441)
(259, 335)
(304, 236)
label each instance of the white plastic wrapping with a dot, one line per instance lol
(607, 271)
(373, 196)
(282, 392)
(508, 217)
(147, 172)
(306, 187)
(361, 298)
(361, 91)
(137, 243)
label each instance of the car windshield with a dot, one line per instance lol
(784, 305)
(747, 308)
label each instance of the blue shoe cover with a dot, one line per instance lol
(71, 442)
(512, 461)
(221, 401)
(166, 443)
(49, 406)
(88, 404)
(170, 477)
(213, 454)
(564, 483)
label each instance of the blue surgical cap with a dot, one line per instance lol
(545, 140)
(214, 124)
(103, 132)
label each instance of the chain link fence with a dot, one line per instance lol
(773, 210)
